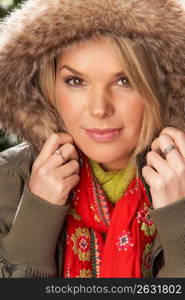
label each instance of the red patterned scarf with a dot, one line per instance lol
(105, 240)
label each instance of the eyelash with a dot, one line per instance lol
(128, 83)
(72, 78)
(68, 79)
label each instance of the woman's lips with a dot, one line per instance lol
(104, 135)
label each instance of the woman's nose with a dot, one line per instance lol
(100, 104)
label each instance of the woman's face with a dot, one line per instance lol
(99, 107)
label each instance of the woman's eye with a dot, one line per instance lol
(74, 81)
(124, 81)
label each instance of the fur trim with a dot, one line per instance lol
(40, 27)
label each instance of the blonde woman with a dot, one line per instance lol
(95, 89)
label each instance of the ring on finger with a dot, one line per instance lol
(59, 152)
(169, 148)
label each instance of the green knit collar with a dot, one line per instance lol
(114, 183)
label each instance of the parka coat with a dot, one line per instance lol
(32, 231)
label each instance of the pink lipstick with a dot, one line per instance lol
(104, 135)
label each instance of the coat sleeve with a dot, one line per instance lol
(170, 223)
(29, 229)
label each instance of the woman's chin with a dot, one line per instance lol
(99, 156)
(107, 160)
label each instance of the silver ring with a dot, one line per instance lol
(168, 149)
(59, 152)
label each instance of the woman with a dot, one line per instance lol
(96, 91)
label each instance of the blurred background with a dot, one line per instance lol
(7, 141)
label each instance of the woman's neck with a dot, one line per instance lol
(115, 165)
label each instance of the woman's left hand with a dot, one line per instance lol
(165, 175)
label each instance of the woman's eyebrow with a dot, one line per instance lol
(70, 69)
(118, 74)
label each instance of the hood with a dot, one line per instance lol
(38, 29)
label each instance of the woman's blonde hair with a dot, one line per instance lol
(141, 72)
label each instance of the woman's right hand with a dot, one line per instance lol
(54, 175)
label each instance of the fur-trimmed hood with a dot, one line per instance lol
(38, 30)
